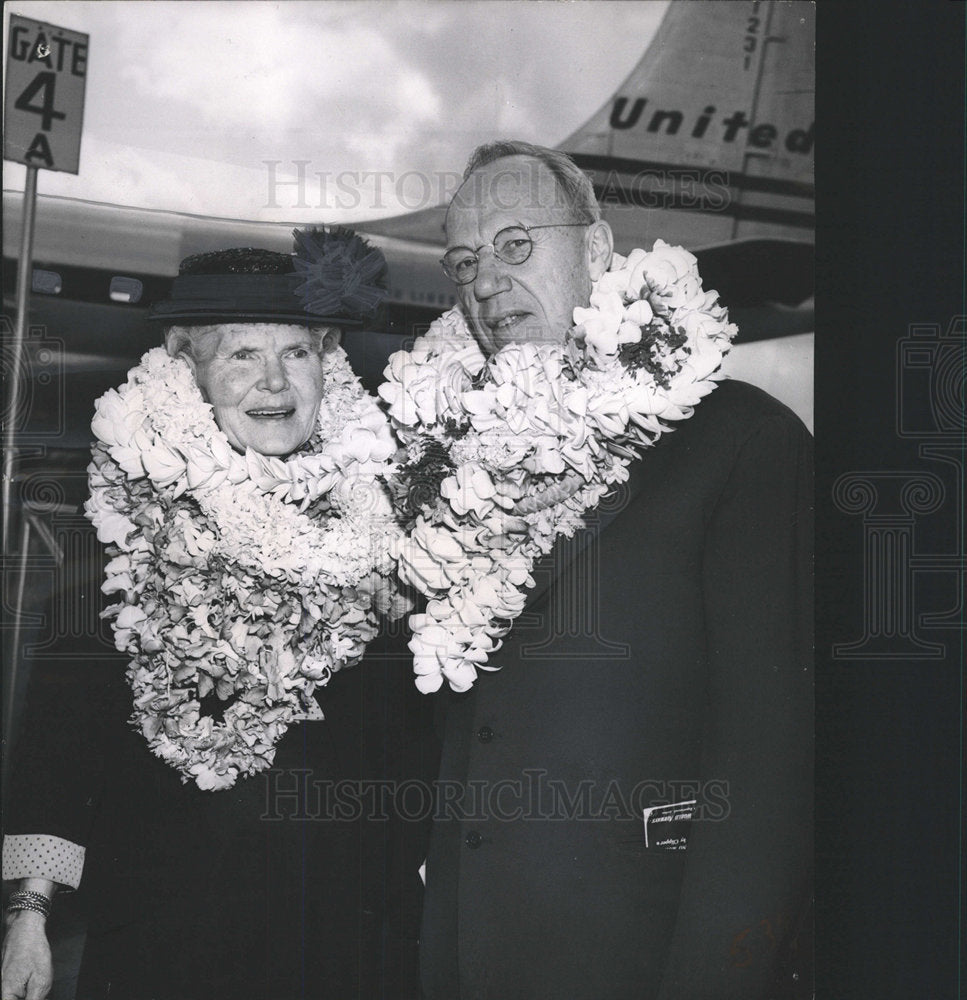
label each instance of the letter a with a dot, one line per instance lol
(40, 148)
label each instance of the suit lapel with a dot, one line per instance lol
(551, 566)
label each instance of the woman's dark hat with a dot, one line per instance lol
(334, 278)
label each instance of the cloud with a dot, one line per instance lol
(195, 100)
(126, 175)
(277, 68)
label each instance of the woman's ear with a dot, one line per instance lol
(331, 337)
(600, 248)
(177, 345)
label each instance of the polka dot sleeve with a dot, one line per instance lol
(37, 855)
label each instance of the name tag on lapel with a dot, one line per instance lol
(314, 713)
(666, 826)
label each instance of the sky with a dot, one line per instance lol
(285, 111)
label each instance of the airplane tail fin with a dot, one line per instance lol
(710, 138)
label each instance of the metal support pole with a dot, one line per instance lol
(24, 271)
(15, 564)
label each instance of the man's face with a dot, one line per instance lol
(533, 301)
(264, 382)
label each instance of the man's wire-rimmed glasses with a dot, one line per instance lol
(512, 245)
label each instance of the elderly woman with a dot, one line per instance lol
(239, 845)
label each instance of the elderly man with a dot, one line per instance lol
(633, 808)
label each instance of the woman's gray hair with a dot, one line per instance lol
(198, 343)
(571, 180)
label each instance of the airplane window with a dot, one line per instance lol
(45, 282)
(126, 289)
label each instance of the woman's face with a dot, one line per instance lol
(264, 382)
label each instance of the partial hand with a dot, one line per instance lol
(27, 969)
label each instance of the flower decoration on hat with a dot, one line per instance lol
(342, 274)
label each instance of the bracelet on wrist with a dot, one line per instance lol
(28, 899)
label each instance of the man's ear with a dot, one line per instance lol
(331, 337)
(600, 248)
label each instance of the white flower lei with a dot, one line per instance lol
(240, 575)
(506, 454)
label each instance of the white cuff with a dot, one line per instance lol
(38, 855)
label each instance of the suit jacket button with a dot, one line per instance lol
(473, 839)
(485, 734)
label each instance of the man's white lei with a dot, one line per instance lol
(506, 454)
(246, 577)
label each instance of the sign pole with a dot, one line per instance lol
(45, 77)
(24, 271)
(43, 113)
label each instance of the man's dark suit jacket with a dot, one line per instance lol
(664, 656)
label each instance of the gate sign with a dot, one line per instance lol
(44, 99)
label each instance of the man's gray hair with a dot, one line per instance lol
(571, 180)
(197, 343)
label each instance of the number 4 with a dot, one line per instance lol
(42, 82)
